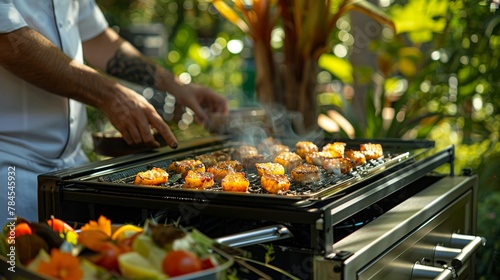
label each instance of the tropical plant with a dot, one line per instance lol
(306, 28)
(395, 106)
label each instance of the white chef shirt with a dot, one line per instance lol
(41, 131)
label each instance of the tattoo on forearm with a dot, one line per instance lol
(132, 69)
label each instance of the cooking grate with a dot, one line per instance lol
(296, 188)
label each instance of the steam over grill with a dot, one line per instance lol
(341, 227)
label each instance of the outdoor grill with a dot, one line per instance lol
(391, 218)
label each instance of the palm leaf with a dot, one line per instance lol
(363, 7)
(231, 15)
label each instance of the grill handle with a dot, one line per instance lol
(420, 271)
(464, 247)
(475, 242)
(470, 244)
(256, 236)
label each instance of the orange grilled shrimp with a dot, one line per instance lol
(198, 180)
(274, 183)
(183, 166)
(235, 182)
(154, 176)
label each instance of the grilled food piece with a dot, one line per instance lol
(154, 176)
(265, 144)
(243, 151)
(275, 183)
(213, 158)
(249, 161)
(289, 160)
(371, 151)
(235, 182)
(198, 180)
(183, 166)
(337, 166)
(269, 168)
(306, 173)
(302, 148)
(314, 158)
(223, 168)
(357, 157)
(277, 149)
(336, 149)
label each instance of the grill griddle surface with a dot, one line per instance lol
(329, 185)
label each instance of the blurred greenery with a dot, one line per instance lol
(436, 77)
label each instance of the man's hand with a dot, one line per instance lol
(134, 117)
(110, 53)
(203, 101)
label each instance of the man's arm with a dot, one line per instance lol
(32, 57)
(117, 57)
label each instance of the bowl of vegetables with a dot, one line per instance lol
(54, 249)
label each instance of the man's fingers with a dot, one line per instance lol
(135, 135)
(164, 130)
(200, 115)
(126, 136)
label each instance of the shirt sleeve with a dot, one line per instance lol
(91, 20)
(10, 18)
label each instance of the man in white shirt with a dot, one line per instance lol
(44, 83)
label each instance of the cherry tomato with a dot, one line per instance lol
(59, 226)
(125, 244)
(22, 229)
(180, 262)
(108, 256)
(207, 263)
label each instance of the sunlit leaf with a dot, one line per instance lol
(420, 18)
(340, 68)
(230, 15)
(373, 12)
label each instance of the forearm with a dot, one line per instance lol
(119, 58)
(128, 64)
(32, 57)
(122, 60)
